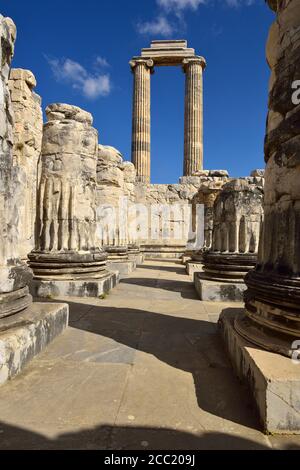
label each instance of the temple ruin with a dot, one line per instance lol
(78, 220)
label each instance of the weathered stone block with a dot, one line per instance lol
(51, 289)
(25, 334)
(274, 380)
(217, 291)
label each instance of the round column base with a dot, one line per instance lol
(14, 302)
(272, 315)
(68, 265)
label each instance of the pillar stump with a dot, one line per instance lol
(237, 219)
(112, 206)
(67, 260)
(205, 196)
(25, 328)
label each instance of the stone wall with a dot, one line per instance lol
(27, 134)
(174, 223)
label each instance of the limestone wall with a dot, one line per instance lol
(27, 134)
(172, 210)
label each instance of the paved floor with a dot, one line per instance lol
(142, 369)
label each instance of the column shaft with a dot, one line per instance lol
(141, 119)
(193, 121)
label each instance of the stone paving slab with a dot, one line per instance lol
(143, 368)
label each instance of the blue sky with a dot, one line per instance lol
(79, 52)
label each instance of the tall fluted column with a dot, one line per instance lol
(272, 317)
(193, 119)
(141, 118)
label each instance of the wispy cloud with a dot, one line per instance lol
(179, 5)
(163, 26)
(160, 26)
(101, 62)
(90, 85)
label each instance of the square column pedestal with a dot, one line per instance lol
(274, 380)
(218, 291)
(118, 261)
(222, 278)
(26, 334)
(53, 288)
(71, 275)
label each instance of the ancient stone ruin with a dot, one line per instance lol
(66, 259)
(26, 327)
(237, 218)
(167, 53)
(270, 319)
(76, 218)
(27, 144)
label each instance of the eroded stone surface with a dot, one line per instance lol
(27, 134)
(272, 301)
(66, 247)
(14, 275)
(237, 218)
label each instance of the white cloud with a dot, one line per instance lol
(90, 85)
(101, 62)
(159, 27)
(178, 5)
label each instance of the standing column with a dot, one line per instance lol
(272, 317)
(141, 119)
(193, 119)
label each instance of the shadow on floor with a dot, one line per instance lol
(184, 288)
(122, 438)
(193, 346)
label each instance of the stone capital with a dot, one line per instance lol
(193, 60)
(148, 63)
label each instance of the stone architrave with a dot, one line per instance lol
(25, 328)
(167, 53)
(28, 131)
(237, 220)
(66, 259)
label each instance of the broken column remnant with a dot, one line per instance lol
(27, 133)
(66, 259)
(25, 328)
(237, 219)
(112, 210)
(206, 196)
